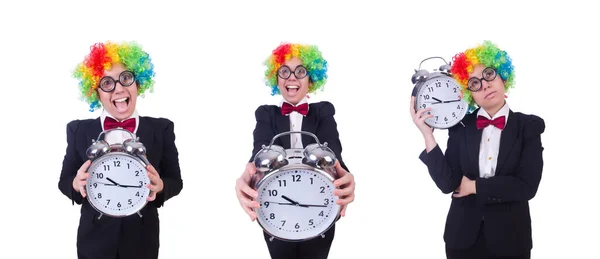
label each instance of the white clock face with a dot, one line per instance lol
(442, 94)
(297, 204)
(116, 185)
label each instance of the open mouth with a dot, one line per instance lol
(121, 104)
(292, 89)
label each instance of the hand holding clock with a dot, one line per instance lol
(419, 118)
(245, 194)
(80, 179)
(156, 184)
(347, 186)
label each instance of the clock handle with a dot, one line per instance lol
(432, 58)
(292, 132)
(103, 133)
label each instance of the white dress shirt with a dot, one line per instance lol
(118, 136)
(490, 143)
(295, 124)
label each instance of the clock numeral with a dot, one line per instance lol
(106, 167)
(311, 180)
(458, 107)
(430, 89)
(454, 114)
(447, 85)
(445, 118)
(322, 189)
(438, 84)
(137, 194)
(321, 214)
(311, 222)
(129, 202)
(296, 178)
(326, 202)
(119, 204)
(107, 201)
(282, 183)
(117, 163)
(426, 97)
(266, 204)
(424, 106)
(127, 165)
(100, 176)
(454, 90)
(137, 173)
(99, 195)
(95, 185)
(283, 223)
(141, 183)
(297, 226)
(272, 216)
(272, 192)
(436, 118)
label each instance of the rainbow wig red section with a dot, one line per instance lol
(487, 54)
(309, 55)
(101, 57)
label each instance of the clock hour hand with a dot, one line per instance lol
(293, 202)
(110, 180)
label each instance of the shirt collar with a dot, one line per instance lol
(304, 100)
(133, 115)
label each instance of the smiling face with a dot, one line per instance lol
(293, 89)
(120, 103)
(490, 96)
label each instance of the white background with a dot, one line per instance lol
(208, 60)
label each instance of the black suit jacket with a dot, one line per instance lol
(319, 121)
(131, 237)
(501, 201)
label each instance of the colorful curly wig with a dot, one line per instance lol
(309, 55)
(487, 54)
(101, 57)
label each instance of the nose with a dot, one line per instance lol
(485, 84)
(119, 87)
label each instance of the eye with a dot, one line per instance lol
(301, 71)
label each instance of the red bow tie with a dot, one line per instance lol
(128, 124)
(483, 122)
(287, 108)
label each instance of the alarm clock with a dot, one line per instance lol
(442, 93)
(295, 190)
(116, 185)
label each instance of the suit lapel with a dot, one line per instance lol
(508, 138)
(145, 134)
(473, 139)
(282, 123)
(309, 124)
(93, 132)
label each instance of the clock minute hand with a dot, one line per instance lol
(311, 205)
(452, 101)
(293, 202)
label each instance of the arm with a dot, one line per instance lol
(523, 185)
(71, 164)
(263, 132)
(444, 169)
(170, 172)
(327, 131)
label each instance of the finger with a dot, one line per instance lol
(152, 196)
(339, 169)
(85, 166)
(83, 176)
(344, 191)
(152, 170)
(249, 171)
(420, 112)
(422, 119)
(346, 200)
(245, 200)
(412, 106)
(343, 212)
(82, 192)
(346, 179)
(153, 178)
(244, 187)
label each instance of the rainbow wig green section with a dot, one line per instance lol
(309, 55)
(487, 54)
(101, 57)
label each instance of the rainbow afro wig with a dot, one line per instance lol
(309, 55)
(487, 54)
(101, 57)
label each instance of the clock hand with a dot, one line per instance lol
(280, 203)
(310, 205)
(110, 180)
(132, 186)
(452, 101)
(293, 202)
(436, 99)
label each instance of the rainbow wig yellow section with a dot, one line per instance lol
(487, 54)
(309, 55)
(101, 57)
